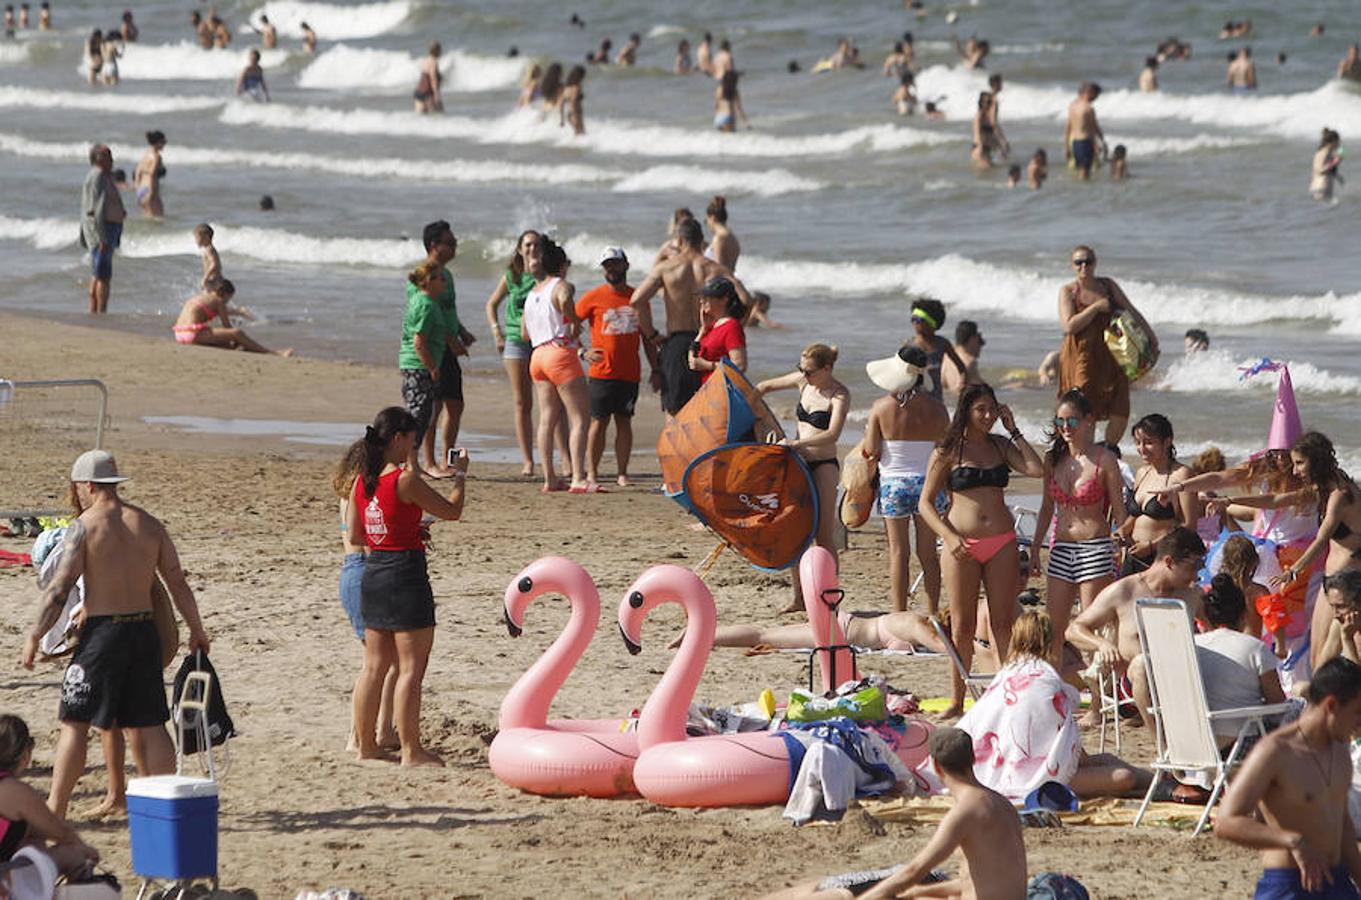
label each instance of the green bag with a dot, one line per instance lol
(865, 705)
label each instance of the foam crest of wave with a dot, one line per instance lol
(333, 22)
(1301, 114)
(188, 61)
(343, 67)
(766, 183)
(111, 101)
(1216, 371)
(13, 53)
(613, 136)
(45, 234)
(280, 246)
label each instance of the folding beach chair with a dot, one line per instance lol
(1186, 741)
(1109, 704)
(976, 684)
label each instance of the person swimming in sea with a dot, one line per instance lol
(251, 82)
(728, 103)
(427, 94)
(146, 178)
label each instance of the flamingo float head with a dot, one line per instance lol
(549, 575)
(666, 584)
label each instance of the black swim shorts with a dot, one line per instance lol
(612, 397)
(418, 393)
(450, 384)
(679, 381)
(115, 675)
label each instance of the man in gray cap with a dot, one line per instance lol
(114, 678)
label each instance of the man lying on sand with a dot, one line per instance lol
(983, 825)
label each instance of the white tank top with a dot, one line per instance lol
(898, 459)
(542, 320)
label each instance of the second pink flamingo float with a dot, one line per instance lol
(558, 757)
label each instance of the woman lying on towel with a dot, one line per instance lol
(1024, 732)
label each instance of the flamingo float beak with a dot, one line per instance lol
(635, 600)
(515, 630)
(524, 586)
(633, 646)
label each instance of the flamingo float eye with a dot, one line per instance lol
(636, 600)
(526, 585)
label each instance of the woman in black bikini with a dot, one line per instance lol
(1150, 518)
(821, 411)
(978, 531)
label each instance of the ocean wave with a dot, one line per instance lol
(612, 136)
(1216, 371)
(13, 53)
(264, 244)
(1300, 114)
(332, 22)
(187, 61)
(1169, 146)
(110, 101)
(658, 31)
(45, 234)
(462, 171)
(368, 68)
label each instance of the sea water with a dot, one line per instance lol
(845, 211)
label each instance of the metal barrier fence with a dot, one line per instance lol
(53, 421)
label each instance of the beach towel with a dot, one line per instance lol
(836, 762)
(61, 637)
(1023, 731)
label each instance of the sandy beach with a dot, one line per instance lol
(255, 522)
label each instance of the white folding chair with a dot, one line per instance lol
(1109, 704)
(1185, 736)
(976, 684)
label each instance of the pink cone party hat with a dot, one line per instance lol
(1285, 417)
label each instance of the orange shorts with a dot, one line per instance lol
(555, 363)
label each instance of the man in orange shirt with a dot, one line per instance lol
(615, 369)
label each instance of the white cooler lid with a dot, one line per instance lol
(172, 787)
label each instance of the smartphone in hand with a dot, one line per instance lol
(455, 454)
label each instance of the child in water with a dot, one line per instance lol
(1119, 167)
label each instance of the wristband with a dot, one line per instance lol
(1016, 435)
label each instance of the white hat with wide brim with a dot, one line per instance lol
(895, 374)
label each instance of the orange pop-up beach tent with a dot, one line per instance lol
(719, 463)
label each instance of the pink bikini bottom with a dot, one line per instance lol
(985, 548)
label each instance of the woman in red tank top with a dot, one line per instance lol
(396, 602)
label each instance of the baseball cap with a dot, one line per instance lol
(97, 466)
(610, 253)
(718, 287)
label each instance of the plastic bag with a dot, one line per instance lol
(864, 705)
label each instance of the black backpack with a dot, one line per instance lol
(219, 724)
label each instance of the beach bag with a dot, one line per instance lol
(1053, 886)
(865, 705)
(219, 725)
(1131, 346)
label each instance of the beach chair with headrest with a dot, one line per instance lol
(1185, 739)
(976, 683)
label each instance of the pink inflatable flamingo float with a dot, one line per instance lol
(817, 572)
(675, 770)
(562, 757)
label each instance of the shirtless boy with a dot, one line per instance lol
(1298, 777)
(1174, 573)
(212, 263)
(679, 276)
(115, 674)
(1082, 137)
(982, 824)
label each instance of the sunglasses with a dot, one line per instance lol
(1070, 421)
(806, 372)
(1084, 261)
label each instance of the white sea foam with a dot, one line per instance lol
(265, 244)
(1216, 371)
(665, 31)
(45, 234)
(188, 61)
(333, 22)
(107, 101)
(367, 68)
(766, 183)
(611, 136)
(13, 53)
(1168, 146)
(1296, 115)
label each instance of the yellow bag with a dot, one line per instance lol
(1131, 345)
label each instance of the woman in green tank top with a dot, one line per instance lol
(515, 286)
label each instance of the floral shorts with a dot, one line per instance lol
(900, 495)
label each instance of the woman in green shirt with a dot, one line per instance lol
(515, 286)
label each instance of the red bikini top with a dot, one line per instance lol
(1089, 493)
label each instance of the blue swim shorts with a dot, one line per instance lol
(900, 495)
(1284, 884)
(101, 264)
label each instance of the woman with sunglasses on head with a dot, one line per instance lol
(821, 413)
(1086, 307)
(1155, 506)
(1083, 495)
(979, 532)
(928, 317)
(902, 430)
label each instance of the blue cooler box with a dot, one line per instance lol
(173, 822)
